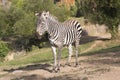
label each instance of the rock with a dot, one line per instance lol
(10, 56)
(96, 30)
(103, 32)
(17, 71)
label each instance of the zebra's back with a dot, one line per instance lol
(75, 24)
(73, 31)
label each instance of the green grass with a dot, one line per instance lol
(102, 50)
(35, 56)
(109, 46)
(39, 55)
(45, 54)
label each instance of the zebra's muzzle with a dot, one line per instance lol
(38, 35)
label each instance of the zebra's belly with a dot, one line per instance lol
(68, 41)
(62, 42)
(56, 43)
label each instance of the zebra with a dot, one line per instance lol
(60, 34)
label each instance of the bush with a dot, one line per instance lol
(3, 49)
(25, 26)
(3, 22)
(73, 11)
(101, 11)
(61, 12)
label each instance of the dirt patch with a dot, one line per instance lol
(103, 66)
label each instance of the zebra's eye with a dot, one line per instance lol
(44, 14)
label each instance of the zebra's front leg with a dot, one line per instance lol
(59, 57)
(70, 55)
(55, 61)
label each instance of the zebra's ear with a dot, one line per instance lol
(47, 12)
(37, 14)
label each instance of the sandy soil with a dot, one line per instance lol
(102, 66)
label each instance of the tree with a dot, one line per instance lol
(101, 11)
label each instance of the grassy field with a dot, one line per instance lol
(45, 54)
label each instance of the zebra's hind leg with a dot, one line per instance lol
(70, 55)
(55, 61)
(76, 52)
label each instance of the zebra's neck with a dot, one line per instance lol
(54, 31)
(53, 18)
(52, 26)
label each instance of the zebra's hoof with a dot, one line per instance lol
(54, 70)
(68, 64)
(76, 65)
(58, 70)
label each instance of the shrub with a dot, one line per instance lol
(3, 49)
(25, 26)
(61, 12)
(101, 11)
(3, 22)
(73, 11)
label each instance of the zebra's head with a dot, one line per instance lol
(42, 22)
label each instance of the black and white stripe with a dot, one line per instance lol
(60, 34)
(73, 27)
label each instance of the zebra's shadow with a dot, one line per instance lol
(86, 38)
(44, 66)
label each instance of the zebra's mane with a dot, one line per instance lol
(54, 18)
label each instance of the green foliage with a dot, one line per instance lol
(21, 14)
(38, 5)
(101, 11)
(61, 12)
(20, 19)
(73, 11)
(3, 22)
(3, 49)
(26, 25)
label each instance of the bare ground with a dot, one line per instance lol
(102, 66)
